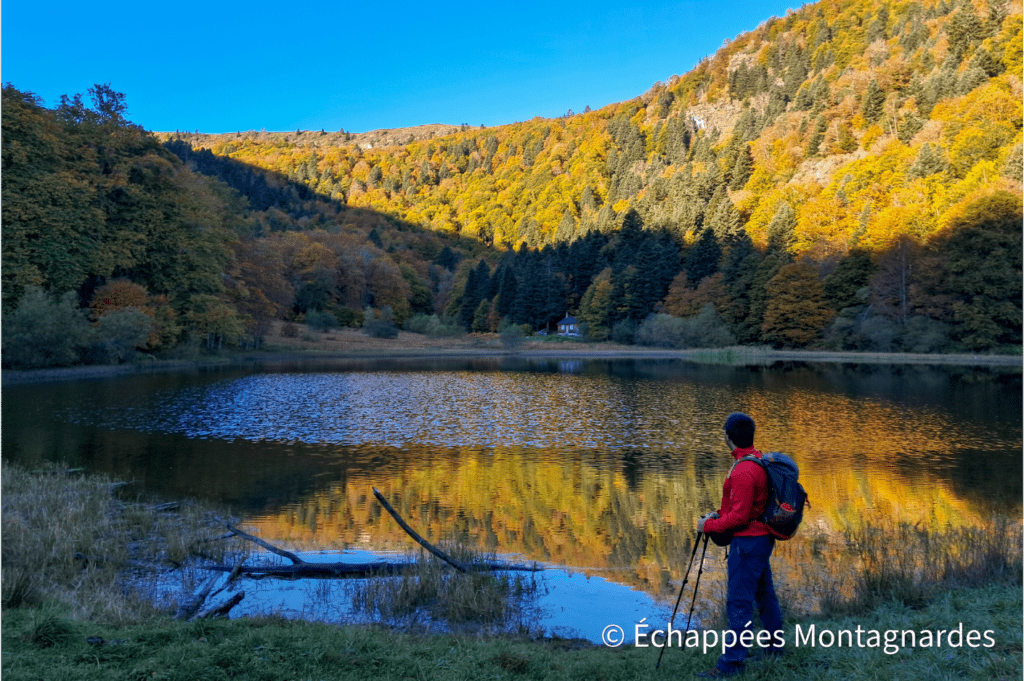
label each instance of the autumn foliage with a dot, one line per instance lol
(886, 131)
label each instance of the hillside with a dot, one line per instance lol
(847, 177)
(870, 119)
(112, 244)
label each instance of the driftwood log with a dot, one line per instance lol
(190, 610)
(301, 569)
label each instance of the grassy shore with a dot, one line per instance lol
(69, 618)
(352, 344)
(45, 643)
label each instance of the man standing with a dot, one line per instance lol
(744, 499)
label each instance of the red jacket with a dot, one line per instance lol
(744, 498)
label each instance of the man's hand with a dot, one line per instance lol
(703, 518)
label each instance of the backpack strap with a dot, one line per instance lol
(749, 457)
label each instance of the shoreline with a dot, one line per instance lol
(40, 643)
(737, 356)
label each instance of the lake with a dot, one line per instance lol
(597, 466)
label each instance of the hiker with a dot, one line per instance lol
(744, 499)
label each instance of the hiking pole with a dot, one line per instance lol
(696, 585)
(686, 578)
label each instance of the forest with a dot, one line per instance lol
(845, 177)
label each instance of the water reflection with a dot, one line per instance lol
(597, 465)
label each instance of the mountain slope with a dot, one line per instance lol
(870, 119)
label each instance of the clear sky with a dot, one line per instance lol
(220, 67)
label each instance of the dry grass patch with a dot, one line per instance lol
(68, 538)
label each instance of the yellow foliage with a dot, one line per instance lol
(992, 102)
(982, 181)
(770, 202)
(892, 222)
(1011, 36)
(870, 135)
(823, 218)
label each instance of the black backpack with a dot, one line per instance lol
(787, 497)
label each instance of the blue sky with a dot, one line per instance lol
(222, 67)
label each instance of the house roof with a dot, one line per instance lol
(568, 320)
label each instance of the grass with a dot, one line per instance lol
(68, 538)
(483, 600)
(285, 649)
(863, 568)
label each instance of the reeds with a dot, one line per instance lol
(438, 593)
(912, 565)
(70, 539)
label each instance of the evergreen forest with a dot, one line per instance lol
(845, 177)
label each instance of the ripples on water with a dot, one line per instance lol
(443, 408)
(532, 410)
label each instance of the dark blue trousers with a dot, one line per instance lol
(750, 581)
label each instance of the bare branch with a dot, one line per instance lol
(268, 546)
(412, 533)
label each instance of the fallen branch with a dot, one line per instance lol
(301, 569)
(412, 533)
(188, 610)
(318, 570)
(222, 609)
(268, 546)
(232, 578)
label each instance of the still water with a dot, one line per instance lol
(598, 466)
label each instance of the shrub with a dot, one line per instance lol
(624, 332)
(710, 331)
(511, 336)
(433, 326)
(919, 334)
(924, 334)
(879, 333)
(321, 321)
(346, 316)
(382, 326)
(45, 331)
(662, 330)
(706, 330)
(119, 334)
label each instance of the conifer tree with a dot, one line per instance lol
(818, 137)
(725, 221)
(781, 231)
(566, 230)
(702, 260)
(873, 103)
(480, 317)
(758, 291)
(743, 169)
(976, 265)
(506, 291)
(850, 276)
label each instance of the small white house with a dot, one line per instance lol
(569, 327)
